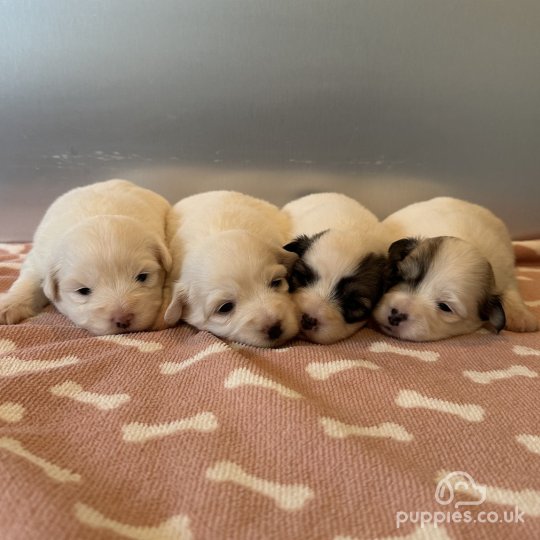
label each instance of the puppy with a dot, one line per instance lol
(232, 270)
(338, 278)
(453, 273)
(100, 256)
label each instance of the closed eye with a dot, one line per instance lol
(84, 291)
(227, 307)
(141, 278)
(275, 283)
(444, 307)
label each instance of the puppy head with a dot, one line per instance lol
(107, 275)
(437, 288)
(336, 282)
(234, 285)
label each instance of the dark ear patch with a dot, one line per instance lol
(356, 295)
(401, 248)
(397, 251)
(491, 310)
(301, 275)
(302, 243)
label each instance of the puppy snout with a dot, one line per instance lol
(122, 320)
(395, 317)
(275, 331)
(308, 323)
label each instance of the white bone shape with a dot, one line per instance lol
(50, 469)
(137, 432)
(170, 368)
(324, 370)
(175, 528)
(73, 390)
(386, 430)
(486, 377)
(11, 412)
(383, 347)
(11, 365)
(245, 377)
(286, 496)
(530, 442)
(411, 399)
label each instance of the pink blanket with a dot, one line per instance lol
(178, 434)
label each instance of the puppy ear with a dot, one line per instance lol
(299, 245)
(179, 298)
(492, 310)
(50, 284)
(162, 255)
(396, 253)
(287, 258)
(401, 248)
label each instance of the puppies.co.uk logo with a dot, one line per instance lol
(461, 482)
(448, 487)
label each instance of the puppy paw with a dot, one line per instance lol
(12, 312)
(521, 320)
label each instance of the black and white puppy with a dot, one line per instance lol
(338, 278)
(451, 269)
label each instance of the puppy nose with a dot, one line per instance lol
(275, 331)
(308, 323)
(396, 317)
(122, 320)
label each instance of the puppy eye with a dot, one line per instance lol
(275, 283)
(84, 291)
(142, 277)
(225, 308)
(444, 307)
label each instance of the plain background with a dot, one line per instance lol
(389, 101)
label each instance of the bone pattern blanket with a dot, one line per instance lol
(180, 435)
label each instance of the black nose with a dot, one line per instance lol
(308, 323)
(396, 317)
(275, 331)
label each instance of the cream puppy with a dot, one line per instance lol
(453, 273)
(100, 256)
(232, 270)
(339, 276)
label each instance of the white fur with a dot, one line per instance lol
(352, 233)
(99, 237)
(228, 249)
(457, 276)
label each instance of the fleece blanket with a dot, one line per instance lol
(180, 435)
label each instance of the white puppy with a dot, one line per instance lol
(454, 272)
(100, 256)
(339, 276)
(233, 277)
